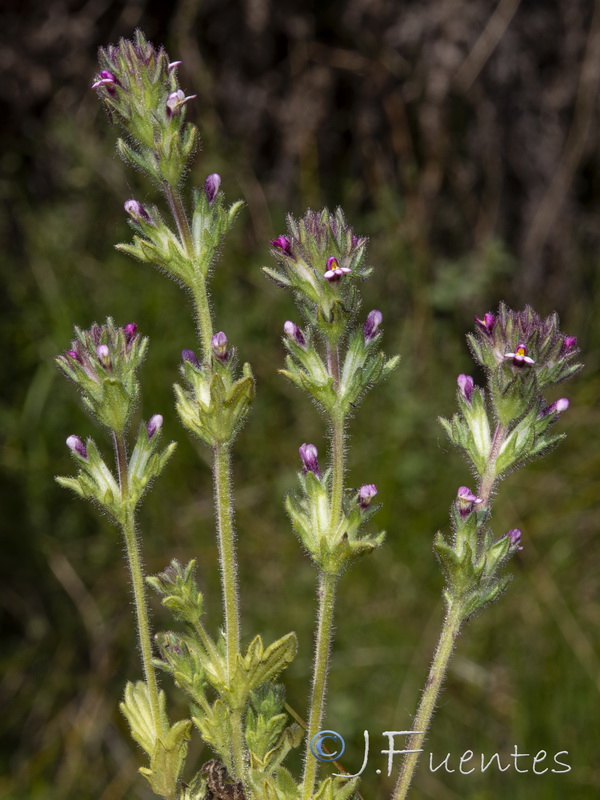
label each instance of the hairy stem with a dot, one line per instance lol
(227, 557)
(137, 580)
(203, 317)
(488, 479)
(429, 698)
(327, 586)
(200, 295)
(178, 211)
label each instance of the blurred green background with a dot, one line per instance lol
(461, 137)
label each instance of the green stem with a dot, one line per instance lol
(435, 679)
(327, 586)
(337, 475)
(178, 211)
(222, 476)
(137, 580)
(203, 317)
(488, 479)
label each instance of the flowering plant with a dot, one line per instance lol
(335, 357)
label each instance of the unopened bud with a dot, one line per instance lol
(557, 407)
(366, 494)
(293, 332)
(154, 425)
(466, 385)
(219, 347)
(191, 358)
(371, 326)
(136, 211)
(130, 331)
(103, 354)
(75, 444)
(309, 457)
(282, 243)
(211, 187)
(515, 539)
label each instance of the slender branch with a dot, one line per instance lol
(229, 581)
(137, 580)
(178, 211)
(200, 295)
(203, 317)
(326, 592)
(435, 679)
(327, 587)
(488, 479)
(337, 443)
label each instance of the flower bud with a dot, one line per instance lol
(191, 358)
(569, 343)
(466, 385)
(366, 494)
(293, 332)
(557, 407)
(154, 425)
(173, 65)
(515, 539)
(130, 331)
(282, 243)
(136, 211)
(487, 323)
(75, 444)
(211, 187)
(309, 457)
(103, 354)
(371, 325)
(219, 347)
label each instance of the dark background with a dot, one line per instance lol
(461, 137)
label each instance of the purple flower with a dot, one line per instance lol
(520, 356)
(308, 456)
(75, 444)
(282, 243)
(176, 101)
(191, 358)
(466, 385)
(107, 79)
(103, 354)
(211, 187)
(371, 326)
(466, 500)
(154, 425)
(557, 407)
(136, 211)
(515, 539)
(74, 354)
(130, 331)
(487, 323)
(293, 332)
(366, 494)
(219, 347)
(334, 271)
(569, 343)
